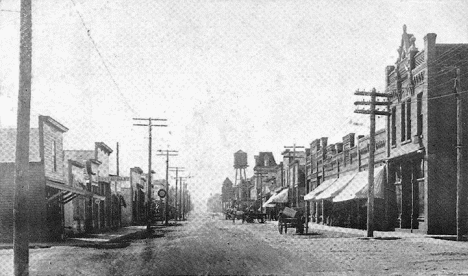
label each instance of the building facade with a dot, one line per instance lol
(422, 133)
(48, 191)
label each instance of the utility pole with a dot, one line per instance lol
(370, 190)
(183, 188)
(117, 157)
(150, 171)
(21, 208)
(294, 147)
(176, 169)
(167, 154)
(460, 178)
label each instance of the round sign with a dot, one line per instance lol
(162, 193)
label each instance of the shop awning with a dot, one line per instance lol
(67, 188)
(325, 184)
(358, 187)
(335, 188)
(281, 197)
(66, 193)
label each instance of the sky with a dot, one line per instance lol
(251, 75)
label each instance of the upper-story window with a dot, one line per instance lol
(403, 122)
(266, 161)
(419, 115)
(394, 126)
(408, 119)
(54, 153)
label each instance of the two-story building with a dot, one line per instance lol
(422, 133)
(48, 191)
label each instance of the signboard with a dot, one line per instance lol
(113, 178)
(162, 193)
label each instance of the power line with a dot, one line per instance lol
(88, 32)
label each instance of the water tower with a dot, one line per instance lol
(240, 164)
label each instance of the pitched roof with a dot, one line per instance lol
(262, 156)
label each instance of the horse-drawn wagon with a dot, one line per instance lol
(290, 218)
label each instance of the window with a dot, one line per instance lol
(393, 126)
(419, 115)
(408, 119)
(54, 152)
(403, 122)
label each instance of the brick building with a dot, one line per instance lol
(337, 179)
(422, 133)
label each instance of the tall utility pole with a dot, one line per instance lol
(167, 154)
(183, 188)
(372, 111)
(460, 178)
(176, 169)
(20, 208)
(150, 126)
(294, 147)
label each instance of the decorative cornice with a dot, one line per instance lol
(53, 123)
(104, 147)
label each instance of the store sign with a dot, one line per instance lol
(113, 178)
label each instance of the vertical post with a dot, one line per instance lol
(167, 187)
(460, 188)
(175, 198)
(183, 201)
(370, 191)
(20, 209)
(180, 198)
(117, 157)
(148, 205)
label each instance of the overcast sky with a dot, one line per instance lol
(228, 75)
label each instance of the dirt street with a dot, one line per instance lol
(204, 245)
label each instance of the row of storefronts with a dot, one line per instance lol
(71, 191)
(415, 155)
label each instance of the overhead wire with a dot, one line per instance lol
(93, 42)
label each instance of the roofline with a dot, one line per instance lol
(53, 122)
(104, 147)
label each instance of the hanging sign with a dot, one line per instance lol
(162, 193)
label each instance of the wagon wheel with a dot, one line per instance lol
(285, 228)
(280, 227)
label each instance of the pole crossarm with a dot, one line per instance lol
(369, 103)
(150, 125)
(376, 112)
(148, 119)
(370, 93)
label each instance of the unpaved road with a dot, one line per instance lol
(215, 246)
